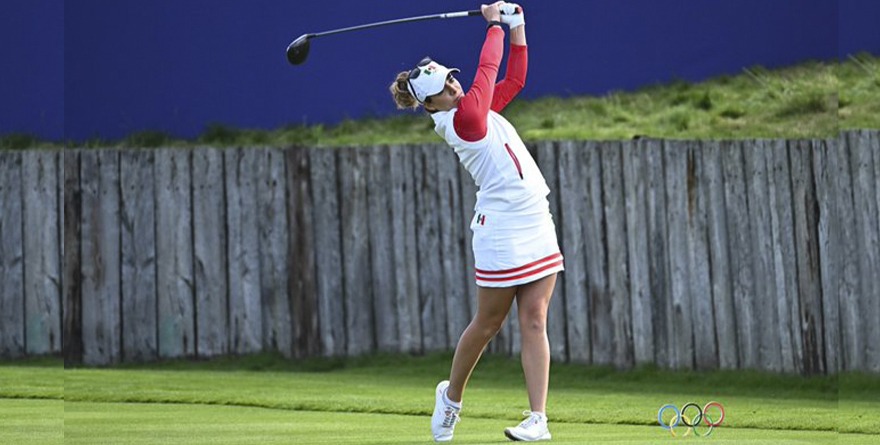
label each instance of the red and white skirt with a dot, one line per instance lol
(512, 249)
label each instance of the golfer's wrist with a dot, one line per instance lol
(493, 23)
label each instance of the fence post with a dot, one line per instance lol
(101, 278)
(383, 270)
(301, 256)
(616, 234)
(72, 342)
(861, 160)
(12, 328)
(571, 199)
(175, 280)
(807, 248)
(209, 252)
(272, 232)
(328, 253)
(138, 255)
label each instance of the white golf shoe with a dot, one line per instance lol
(532, 429)
(445, 415)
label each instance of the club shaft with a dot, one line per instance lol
(447, 15)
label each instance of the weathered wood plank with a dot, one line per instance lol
(635, 193)
(138, 237)
(101, 285)
(175, 283)
(245, 311)
(272, 234)
(831, 262)
(705, 345)
(12, 328)
(616, 244)
(764, 272)
(572, 203)
(42, 252)
(405, 252)
(737, 211)
(719, 259)
(209, 252)
(452, 245)
(556, 324)
(328, 251)
(432, 289)
(358, 288)
(658, 251)
(867, 242)
(380, 215)
(872, 139)
(787, 308)
(71, 265)
(807, 248)
(301, 253)
(594, 235)
(677, 201)
(837, 266)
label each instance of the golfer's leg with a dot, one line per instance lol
(493, 304)
(532, 302)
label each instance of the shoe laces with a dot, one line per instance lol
(451, 417)
(531, 419)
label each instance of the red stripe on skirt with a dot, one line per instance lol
(507, 271)
(525, 275)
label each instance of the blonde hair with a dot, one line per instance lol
(399, 91)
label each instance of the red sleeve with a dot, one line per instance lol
(473, 109)
(514, 79)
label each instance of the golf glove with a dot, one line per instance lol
(510, 17)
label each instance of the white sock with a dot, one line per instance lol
(450, 402)
(541, 415)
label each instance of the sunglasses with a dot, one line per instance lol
(415, 72)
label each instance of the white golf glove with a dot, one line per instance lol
(510, 16)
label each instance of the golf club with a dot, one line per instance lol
(298, 50)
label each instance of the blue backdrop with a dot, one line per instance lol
(107, 68)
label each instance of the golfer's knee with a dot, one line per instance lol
(533, 321)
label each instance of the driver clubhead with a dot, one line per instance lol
(298, 50)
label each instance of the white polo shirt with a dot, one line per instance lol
(509, 181)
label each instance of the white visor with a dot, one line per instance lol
(428, 79)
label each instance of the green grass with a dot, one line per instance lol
(31, 422)
(809, 100)
(387, 399)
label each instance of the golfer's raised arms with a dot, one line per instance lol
(473, 109)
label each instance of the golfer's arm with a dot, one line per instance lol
(473, 109)
(515, 76)
(518, 36)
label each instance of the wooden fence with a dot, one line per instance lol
(707, 254)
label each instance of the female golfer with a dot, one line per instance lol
(515, 249)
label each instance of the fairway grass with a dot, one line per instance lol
(143, 424)
(31, 422)
(388, 400)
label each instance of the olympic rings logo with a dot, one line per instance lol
(693, 417)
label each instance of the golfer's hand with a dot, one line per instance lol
(492, 13)
(512, 15)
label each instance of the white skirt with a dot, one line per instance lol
(514, 249)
